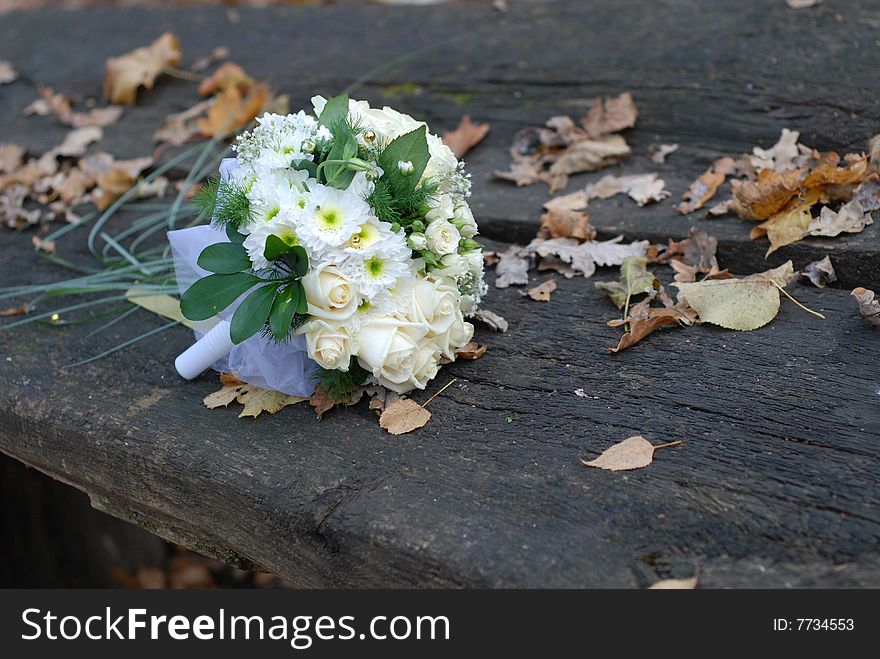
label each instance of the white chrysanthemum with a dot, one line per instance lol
(332, 216)
(274, 191)
(283, 225)
(381, 270)
(372, 237)
(387, 301)
(278, 140)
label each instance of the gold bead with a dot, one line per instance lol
(369, 136)
(54, 318)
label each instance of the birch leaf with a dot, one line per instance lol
(738, 304)
(633, 453)
(403, 416)
(634, 280)
(785, 228)
(512, 268)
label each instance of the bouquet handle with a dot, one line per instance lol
(213, 346)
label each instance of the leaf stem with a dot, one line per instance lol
(786, 294)
(442, 389)
(668, 444)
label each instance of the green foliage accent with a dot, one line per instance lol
(401, 207)
(288, 303)
(234, 235)
(224, 258)
(293, 256)
(410, 147)
(335, 112)
(210, 295)
(340, 385)
(252, 313)
(308, 165)
(338, 174)
(225, 202)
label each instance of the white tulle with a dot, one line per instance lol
(284, 367)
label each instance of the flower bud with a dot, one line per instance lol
(417, 241)
(406, 167)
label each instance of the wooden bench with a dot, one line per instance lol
(776, 481)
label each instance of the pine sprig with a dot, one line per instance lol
(401, 207)
(225, 202)
(341, 385)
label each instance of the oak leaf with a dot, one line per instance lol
(851, 218)
(403, 415)
(585, 256)
(139, 68)
(633, 453)
(766, 196)
(465, 137)
(641, 188)
(868, 306)
(738, 304)
(780, 157)
(610, 115)
(512, 268)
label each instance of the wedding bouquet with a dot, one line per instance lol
(341, 252)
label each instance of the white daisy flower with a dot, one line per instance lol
(381, 270)
(272, 192)
(332, 216)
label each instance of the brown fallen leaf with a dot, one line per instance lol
(7, 73)
(492, 319)
(227, 74)
(256, 400)
(641, 188)
(542, 292)
(851, 218)
(10, 157)
(784, 228)
(868, 306)
(76, 142)
(802, 4)
(402, 416)
(15, 311)
(633, 453)
(589, 155)
(766, 196)
(566, 224)
(512, 268)
(380, 397)
(820, 273)
(568, 202)
(583, 257)
(522, 172)
(675, 584)
(60, 105)
(644, 319)
(867, 194)
(139, 68)
(721, 208)
(181, 126)
(218, 54)
(610, 115)
(780, 157)
(233, 110)
(701, 191)
(663, 152)
(472, 350)
(47, 246)
(465, 137)
(321, 402)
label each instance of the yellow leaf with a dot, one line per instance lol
(403, 416)
(138, 68)
(785, 228)
(738, 304)
(256, 400)
(167, 307)
(232, 111)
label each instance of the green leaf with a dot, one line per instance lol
(210, 295)
(224, 258)
(306, 165)
(284, 308)
(344, 147)
(335, 111)
(275, 248)
(251, 314)
(302, 308)
(298, 261)
(234, 235)
(411, 147)
(634, 280)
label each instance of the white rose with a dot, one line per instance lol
(442, 237)
(330, 294)
(459, 334)
(417, 241)
(441, 208)
(330, 345)
(454, 266)
(394, 352)
(465, 218)
(474, 262)
(433, 304)
(442, 159)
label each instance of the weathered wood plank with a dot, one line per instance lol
(776, 481)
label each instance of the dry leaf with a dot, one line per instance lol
(542, 292)
(641, 188)
(10, 157)
(663, 152)
(701, 191)
(218, 54)
(492, 319)
(566, 224)
(721, 208)
(512, 268)
(868, 306)
(590, 155)
(867, 194)
(7, 73)
(634, 280)
(568, 202)
(465, 137)
(739, 304)
(139, 67)
(522, 172)
(851, 218)
(76, 142)
(225, 75)
(233, 111)
(15, 311)
(784, 228)
(675, 584)
(644, 319)
(633, 453)
(180, 127)
(321, 402)
(256, 400)
(780, 157)
(768, 195)
(610, 115)
(820, 273)
(403, 416)
(97, 117)
(41, 245)
(472, 350)
(585, 256)
(802, 4)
